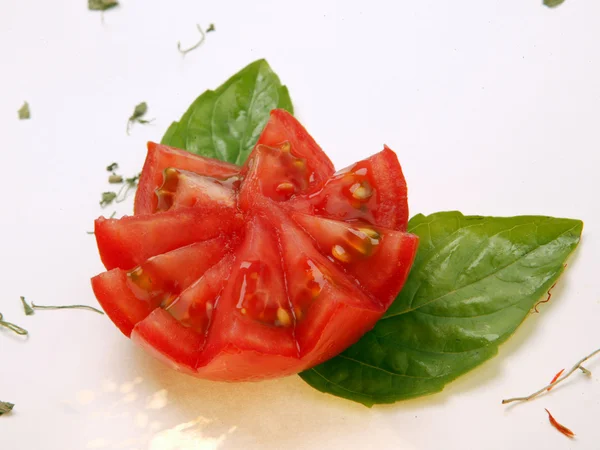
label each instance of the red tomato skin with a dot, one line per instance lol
(129, 241)
(118, 301)
(388, 208)
(283, 127)
(159, 158)
(127, 303)
(169, 341)
(233, 341)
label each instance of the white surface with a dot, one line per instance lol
(492, 106)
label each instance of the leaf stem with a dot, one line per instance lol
(196, 45)
(11, 326)
(89, 308)
(555, 382)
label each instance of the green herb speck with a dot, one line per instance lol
(101, 5)
(24, 112)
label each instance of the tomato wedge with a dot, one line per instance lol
(161, 157)
(246, 273)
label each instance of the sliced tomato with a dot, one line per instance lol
(285, 132)
(184, 189)
(373, 190)
(194, 307)
(261, 275)
(165, 338)
(128, 242)
(157, 281)
(378, 258)
(161, 157)
(274, 173)
(323, 298)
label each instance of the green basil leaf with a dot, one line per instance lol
(474, 280)
(226, 123)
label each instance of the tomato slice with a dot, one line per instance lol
(230, 274)
(373, 190)
(128, 242)
(274, 173)
(161, 157)
(158, 281)
(166, 339)
(184, 189)
(254, 312)
(378, 258)
(285, 132)
(323, 298)
(194, 307)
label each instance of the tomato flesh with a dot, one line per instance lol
(161, 157)
(128, 242)
(157, 282)
(284, 129)
(246, 273)
(373, 190)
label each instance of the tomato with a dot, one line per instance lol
(373, 190)
(254, 272)
(161, 157)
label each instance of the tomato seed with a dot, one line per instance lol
(340, 253)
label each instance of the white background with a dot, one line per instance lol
(492, 106)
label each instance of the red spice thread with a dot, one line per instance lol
(555, 378)
(564, 430)
(544, 301)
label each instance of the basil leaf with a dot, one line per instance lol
(474, 280)
(553, 3)
(226, 123)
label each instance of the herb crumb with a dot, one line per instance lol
(6, 407)
(210, 28)
(553, 3)
(28, 309)
(101, 5)
(112, 167)
(115, 179)
(107, 198)
(24, 112)
(138, 112)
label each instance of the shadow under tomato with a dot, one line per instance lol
(274, 414)
(288, 413)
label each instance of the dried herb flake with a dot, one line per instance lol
(101, 5)
(28, 309)
(6, 407)
(138, 112)
(24, 112)
(107, 198)
(553, 3)
(115, 179)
